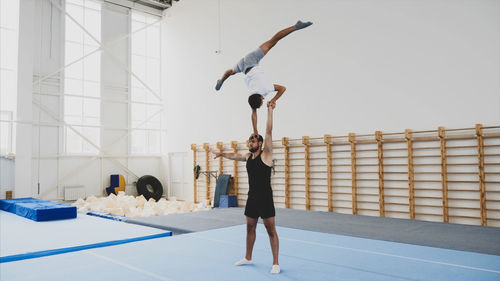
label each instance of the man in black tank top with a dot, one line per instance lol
(260, 194)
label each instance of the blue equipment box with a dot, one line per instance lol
(227, 201)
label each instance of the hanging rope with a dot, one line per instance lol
(219, 48)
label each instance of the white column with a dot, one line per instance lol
(23, 169)
(115, 82)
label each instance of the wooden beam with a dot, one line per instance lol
(305, 142)
(411, 176)
(380, 151)
(206, 146)
(220, 147)
(482, 184)
(444, 173)
(352, 141)
(328, 142)
(234, 145)
(195, 181)
(285, 143)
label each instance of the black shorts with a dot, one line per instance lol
(260, 206)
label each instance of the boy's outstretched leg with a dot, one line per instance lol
(226, 75)
(266, 46)
(243, 65)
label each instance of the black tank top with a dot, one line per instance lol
(259, 176)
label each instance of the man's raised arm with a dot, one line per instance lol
(232, 156)
(268, 140)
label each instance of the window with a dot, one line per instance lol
(82, 91)
(9, 22)
(146, 103)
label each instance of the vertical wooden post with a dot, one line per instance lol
(220, 147)
(352, 140)
(285, 143)
(305, 142)
(234, 145)
(482, 183)
(206, 146)
(328, 142)
(411, 176)
(195, 182)
(380, 150)
(444, 173)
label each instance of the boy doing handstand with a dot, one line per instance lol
(257, 83)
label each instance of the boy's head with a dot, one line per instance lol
(255, 101)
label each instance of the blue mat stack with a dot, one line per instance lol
(38, 210)
(227, 201)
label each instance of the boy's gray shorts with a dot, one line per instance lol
(250, 60)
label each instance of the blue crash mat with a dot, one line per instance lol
(221, 188)
(38, 210)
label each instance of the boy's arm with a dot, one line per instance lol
(281, 90)
(232, 156)
(254, 121)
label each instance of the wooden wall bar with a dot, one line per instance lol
(221, 159)
(305, 142)
(352, 140)
(234, 145)
(444, 174)
(482, 189)
(448, 175)
(195, 182)
(411, 183)
(328, 141)
(285, 143)
(206, 146)
(380, 156)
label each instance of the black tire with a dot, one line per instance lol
(155, 189)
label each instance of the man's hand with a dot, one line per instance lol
(217, 154)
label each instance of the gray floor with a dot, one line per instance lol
(443, 235)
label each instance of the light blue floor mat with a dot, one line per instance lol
(304, 255)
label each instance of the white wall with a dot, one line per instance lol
(363, 66)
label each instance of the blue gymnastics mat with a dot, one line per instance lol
(304, 255)
(19, 236)
(38, 210)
